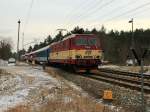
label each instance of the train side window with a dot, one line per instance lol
(64, 48)
(67, 44)
(72, 42)
(62, 45)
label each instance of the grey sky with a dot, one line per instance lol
(46, 16)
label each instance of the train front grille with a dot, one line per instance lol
(88, 57)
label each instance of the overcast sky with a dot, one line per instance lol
(40, 18)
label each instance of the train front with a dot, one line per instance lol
(87, 51)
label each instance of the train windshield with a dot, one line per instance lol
(92, 41)
(85, 41)
(81, 41)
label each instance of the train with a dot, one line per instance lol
(78, 51)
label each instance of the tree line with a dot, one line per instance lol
(115, 44)
(5, 49)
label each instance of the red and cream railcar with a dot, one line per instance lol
(78, 50)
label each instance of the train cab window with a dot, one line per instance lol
(66, 45)
(81, 41)
(92, 41)
(63, 45)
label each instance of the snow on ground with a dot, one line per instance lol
(148, 72)
(108, 66)
(135, 69)
(31, 86)
(15, 88)
(8, 101)
(3, 63)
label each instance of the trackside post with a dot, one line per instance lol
(141, 63)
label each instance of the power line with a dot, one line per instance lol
(125, 13)
(27, 20)
(76, 10)
(118, 8)
(28, 15)
(138, 12)
(95, 10)
(87, 7)
(129, 11)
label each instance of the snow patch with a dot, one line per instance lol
(7, 101)
(3, 63)
(67, 99)
(148, 72)
(108, 66)
(15, 88)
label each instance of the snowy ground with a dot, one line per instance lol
(18, 84)
(3, 63)
(37, 90)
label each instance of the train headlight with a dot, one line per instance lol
(97, 57)
(78, 56)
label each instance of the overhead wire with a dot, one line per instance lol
(91, 12)
(116, 9)
(90, 6)
(27, 18)
(124, 13)
(76, 10)
(136, 13)
(70, 13)
(139, 14)
(28, 15)
(129, 11)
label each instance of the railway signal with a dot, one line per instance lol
(141, 63)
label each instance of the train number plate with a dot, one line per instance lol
(88, 52)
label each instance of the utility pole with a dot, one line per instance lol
(22, 41)
(132, 40)
(18, 40)
(132, 45)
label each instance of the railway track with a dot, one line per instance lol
(123, 79)
(131, 74)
